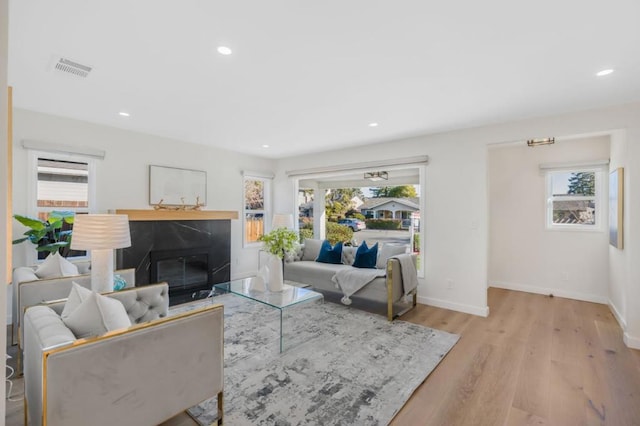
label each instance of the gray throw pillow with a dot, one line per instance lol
(311, 249)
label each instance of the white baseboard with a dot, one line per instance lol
(618, 317)
(585, 297)
(445, 304)
(630, 341)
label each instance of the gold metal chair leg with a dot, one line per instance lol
(220, 408)
(390, 290)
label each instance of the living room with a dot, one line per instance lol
(457, 215)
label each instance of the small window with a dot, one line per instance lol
(256, 201)
(573, 199)
(62, 185)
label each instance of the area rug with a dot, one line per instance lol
(341, 366)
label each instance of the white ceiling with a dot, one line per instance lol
(309, 76)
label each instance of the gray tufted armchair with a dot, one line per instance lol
(141, 375)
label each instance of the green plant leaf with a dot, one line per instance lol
(30, 223)
(19, 240)
(53, 247)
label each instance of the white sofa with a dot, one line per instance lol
(141, 375)
(384, 292)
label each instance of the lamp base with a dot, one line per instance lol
(102, 270)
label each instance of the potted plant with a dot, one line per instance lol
(277, 243)
(48, 235)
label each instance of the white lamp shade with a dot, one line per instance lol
(282, 221)
(100, 231)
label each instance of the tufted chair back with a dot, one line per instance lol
(144, 303)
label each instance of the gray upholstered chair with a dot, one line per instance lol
(29, 290)
(141, 375)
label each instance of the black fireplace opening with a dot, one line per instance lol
(187, 272)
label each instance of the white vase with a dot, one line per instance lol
(274, 267)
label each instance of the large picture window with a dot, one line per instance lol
(573, 199)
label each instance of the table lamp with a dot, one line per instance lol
(101, 233)
(282, 221)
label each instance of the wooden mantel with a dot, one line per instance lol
(140, 215)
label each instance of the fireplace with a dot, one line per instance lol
(185, 270)
(190, 255)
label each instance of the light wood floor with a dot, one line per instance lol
(535, 361)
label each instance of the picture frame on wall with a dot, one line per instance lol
(172, 186)
(616, 207)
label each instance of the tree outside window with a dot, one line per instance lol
(573, 199)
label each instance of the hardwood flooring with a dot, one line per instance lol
(536, 360)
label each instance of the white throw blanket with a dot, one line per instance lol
(353, 279)
(409, 274)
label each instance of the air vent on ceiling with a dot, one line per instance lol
(71, 67)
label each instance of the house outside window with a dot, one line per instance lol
(574, 199)
(62, 183)
(256, 208)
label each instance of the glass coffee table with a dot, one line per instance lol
(287, 298)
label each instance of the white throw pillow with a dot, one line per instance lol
(77, 295)
(97, 315)
(387, 251)
(55, 266)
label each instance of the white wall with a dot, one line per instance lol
(523, 254)
(4, 38)
(454, 249)
(122, 177)
(456, 194)
(618, 259)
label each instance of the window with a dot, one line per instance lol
(573, 199)
(61, 183)
(256, 207)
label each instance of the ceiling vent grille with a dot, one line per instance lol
(72, 67)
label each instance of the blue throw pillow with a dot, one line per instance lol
(366, 257)
(330, 254)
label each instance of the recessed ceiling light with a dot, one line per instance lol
(265, 146)
(373, 124)
(604, 72)
(124, 114)
(224, 50)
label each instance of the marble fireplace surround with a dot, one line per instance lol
(165, 231)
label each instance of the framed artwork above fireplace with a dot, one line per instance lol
(171, 186)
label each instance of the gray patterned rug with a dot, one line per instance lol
(341, 366)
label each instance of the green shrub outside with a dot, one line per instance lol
(305, 233)
(335, 233)
(383, 223)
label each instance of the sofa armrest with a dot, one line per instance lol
(43, 328)
(395, 287)
(141, 375)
